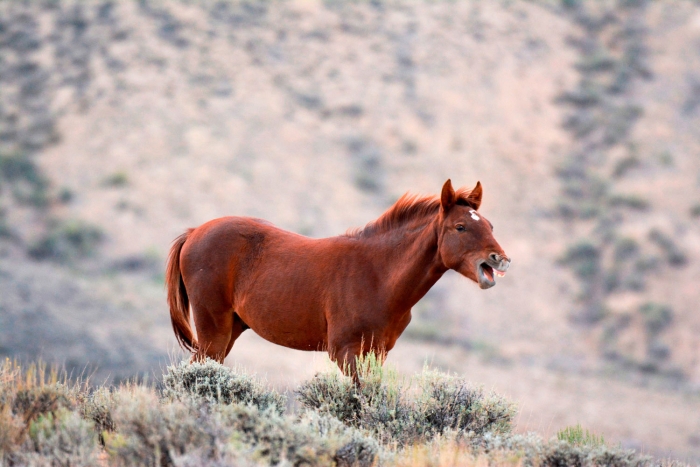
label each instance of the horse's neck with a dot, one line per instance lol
(414, 263)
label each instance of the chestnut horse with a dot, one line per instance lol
(347, 295)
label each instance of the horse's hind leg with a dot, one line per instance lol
(217, 327)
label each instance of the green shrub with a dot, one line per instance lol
(531, 450)
(150, 433)
(629, 201)
(61, 438)
(658, 351)
(314, 440)
(35, 391)
(620, 120)
(410, 147)
(30, 399)
(611, 281)
(28, 184)
(213, 382)
(570, 3)
(330, 393)
(116, 180)
(577, 436)
(350, 446)
(624, 165)
(695, 210)
(674, 255)
(450, 403)
(30, 403)
(192, 431)
(588, 94)
(665, 158)
(635, 281)
(385, 405)
(591, 311)
(600, 60)
(67, 241)
(19, 167)
(5, 229)
(583, 258)
(656, 317)
(563, 453)
(582, 123)
(98, 407)
(646, 263)
(366, 158)
(65, 195)
(625, 248)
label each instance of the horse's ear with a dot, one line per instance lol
(474, 197)
(447, 198)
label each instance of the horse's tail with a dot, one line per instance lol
(177, 297)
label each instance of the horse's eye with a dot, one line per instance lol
(460, 228)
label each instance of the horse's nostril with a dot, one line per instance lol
(495, 257)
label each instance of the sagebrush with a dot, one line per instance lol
(407, 411)
(212, 382)
(206, 414)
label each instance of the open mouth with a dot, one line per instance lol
(487, 275)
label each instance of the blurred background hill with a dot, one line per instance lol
(124, 123)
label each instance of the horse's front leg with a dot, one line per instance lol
(346, 355)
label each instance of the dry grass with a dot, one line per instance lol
(40, 423)
(208, 414)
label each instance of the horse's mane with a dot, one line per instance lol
(407, 208)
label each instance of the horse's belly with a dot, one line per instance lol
(289, 328)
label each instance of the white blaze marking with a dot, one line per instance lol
(474, 216)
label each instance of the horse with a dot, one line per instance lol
(348, 295)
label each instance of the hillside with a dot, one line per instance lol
(122, 124)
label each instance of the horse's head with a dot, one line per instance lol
(465, 237)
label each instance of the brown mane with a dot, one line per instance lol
(407, 208)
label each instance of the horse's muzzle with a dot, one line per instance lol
(487, 269)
